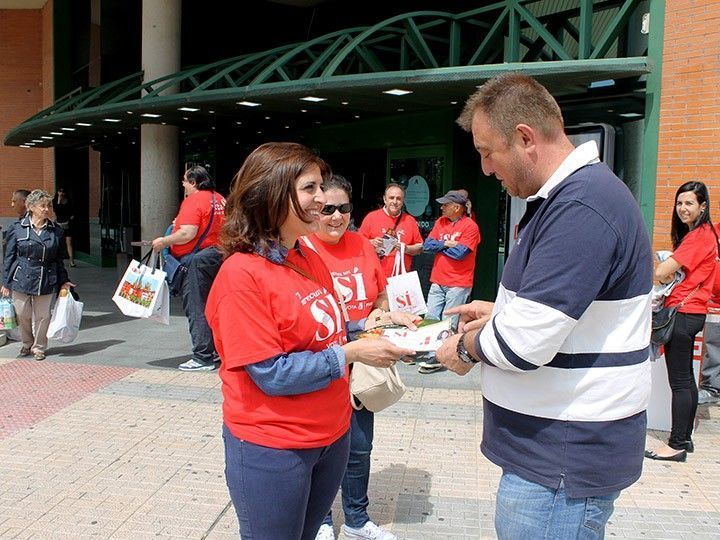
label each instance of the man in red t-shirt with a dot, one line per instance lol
(453, 239)
(192, 241)
(388, 226)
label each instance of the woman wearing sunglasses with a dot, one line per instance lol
(279, 330)
(360, 282)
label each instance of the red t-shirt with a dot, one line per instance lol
(449, 272)
(195, 210)
(356, 271)
(257, 310)
(697, 254)
(378, 222)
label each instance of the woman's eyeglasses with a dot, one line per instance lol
(329, 209)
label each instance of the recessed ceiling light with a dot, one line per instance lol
(119, 132)
(211, 112)
(357, 116)
(630, 115)
(401, 110)
(82, 124)
(56, 133)
(303, 110)
(259, 132)
(30, 143)
(287, 127)
(267, 118)
(318, 122)
(397, 92)
(111, 120)
(151, 115)
(46, 137)
(345, 102)
(212, 127)
(313, 99)
(68, 129)
(37, 140)
(185, 117)
(453, 103)
(163, 123)
(25, 146)
(129, 112)
(188, 109)
(238, 122)
(248, 103)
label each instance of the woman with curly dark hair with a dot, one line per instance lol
(281, 335)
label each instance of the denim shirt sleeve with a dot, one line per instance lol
(458, 252)
(299, 372)
(433, 246)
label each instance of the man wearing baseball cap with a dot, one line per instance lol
(453, 239)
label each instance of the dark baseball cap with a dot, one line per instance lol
(453, 197)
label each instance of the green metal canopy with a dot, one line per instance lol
(436, 58)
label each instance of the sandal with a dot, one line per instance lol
(39, 356)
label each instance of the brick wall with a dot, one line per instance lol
(689, 108)
(25, 62)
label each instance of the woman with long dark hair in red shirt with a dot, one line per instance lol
(695, 251)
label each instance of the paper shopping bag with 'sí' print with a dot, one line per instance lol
(403, 287)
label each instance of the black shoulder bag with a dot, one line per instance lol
(663, 321)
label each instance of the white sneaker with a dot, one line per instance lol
(369, 531)
(325, 532)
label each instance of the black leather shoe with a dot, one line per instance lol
(680, 456)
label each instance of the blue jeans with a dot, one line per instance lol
(357, 476)
(441, 298)
(279, 493)
(525, 509)
(202, 269)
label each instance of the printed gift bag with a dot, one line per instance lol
(7, 314)
(403, 287)
(140, 288)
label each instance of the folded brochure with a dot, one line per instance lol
(428, 337)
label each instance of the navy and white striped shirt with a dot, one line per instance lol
(566, 379)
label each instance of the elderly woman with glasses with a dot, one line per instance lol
(34, 271)
(360, 281)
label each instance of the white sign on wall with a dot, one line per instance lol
(417, 195)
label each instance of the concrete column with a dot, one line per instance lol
(159, 156)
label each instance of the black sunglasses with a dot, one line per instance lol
(329, 209)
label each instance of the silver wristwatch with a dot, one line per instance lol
(463, 353)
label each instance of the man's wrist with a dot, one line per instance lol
(463, 353)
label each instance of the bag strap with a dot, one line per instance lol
(207, 229)
(399, 263)
(681, 304)
(400, 215)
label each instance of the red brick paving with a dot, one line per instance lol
(31, 391)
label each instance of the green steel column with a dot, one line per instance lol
(652, 113)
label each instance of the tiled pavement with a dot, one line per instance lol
(106, 442)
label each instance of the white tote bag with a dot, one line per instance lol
(65, 321)
(403, 288)
(137, 293)
(161, 312)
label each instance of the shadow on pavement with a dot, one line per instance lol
(79, 349)
(172, 362)
(413, 488)
(95, 321)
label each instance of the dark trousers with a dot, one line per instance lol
(279, 493)
(679, 362)
(202, 269)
